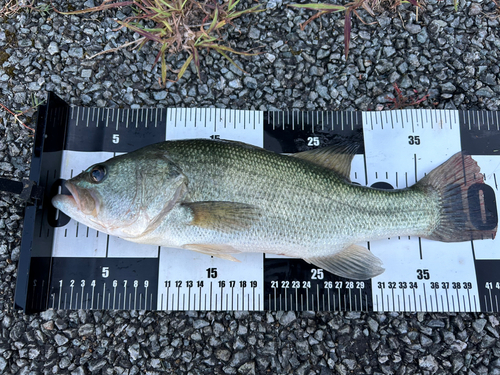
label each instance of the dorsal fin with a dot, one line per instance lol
(337, 157)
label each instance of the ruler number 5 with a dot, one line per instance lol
(105, 272)
(414, 140)
(116, 138)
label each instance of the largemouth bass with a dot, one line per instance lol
(221, 198)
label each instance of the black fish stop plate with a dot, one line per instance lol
(65, 265)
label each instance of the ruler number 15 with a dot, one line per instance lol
(211, 273)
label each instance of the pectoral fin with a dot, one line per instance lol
(223, 216)
(219, 251)
(354, 262)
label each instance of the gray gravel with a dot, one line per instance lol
(123, 342)
(453, 56)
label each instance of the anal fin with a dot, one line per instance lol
(354, 262)
(215, 250)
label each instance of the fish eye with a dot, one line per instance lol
(97, 173)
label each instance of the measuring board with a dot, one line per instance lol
(66, 265)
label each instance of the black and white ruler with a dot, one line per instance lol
(66, 265)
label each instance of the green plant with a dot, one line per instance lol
(13, 6)
(35, 103)
(43, 9)
(401, 101)
(10, 8)
(179, 25)
(349, 8)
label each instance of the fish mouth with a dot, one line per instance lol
(74, 194)
(85, 200)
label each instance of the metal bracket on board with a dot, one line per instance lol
(66, 265)
(25, 189)
(50, 132)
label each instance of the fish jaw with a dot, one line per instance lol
(86, 200)
(65, 203)
(81, 205)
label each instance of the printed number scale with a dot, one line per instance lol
(66, 265)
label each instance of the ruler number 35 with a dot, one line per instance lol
(414, 140)
(423, 274)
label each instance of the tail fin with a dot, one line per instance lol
(462, 193)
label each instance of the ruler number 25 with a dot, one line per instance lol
(317, 274)
(313, 141)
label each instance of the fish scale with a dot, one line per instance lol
(333, 213)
